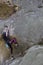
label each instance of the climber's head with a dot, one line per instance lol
(6, 26)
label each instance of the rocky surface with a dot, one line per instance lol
(28, 22)
(34, 56)
(28, 26)
(28, 19)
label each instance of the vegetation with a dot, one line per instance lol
(6, 11)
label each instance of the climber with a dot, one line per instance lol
(5, 33)
(6, 36)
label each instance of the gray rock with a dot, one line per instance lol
(34, 56)
(28, 22)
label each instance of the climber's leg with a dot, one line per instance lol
(10, 46)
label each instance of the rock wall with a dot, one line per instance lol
(28, 22)
(34, 56)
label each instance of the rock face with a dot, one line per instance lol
(28, 26)
(34, 56)
(28, 22)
